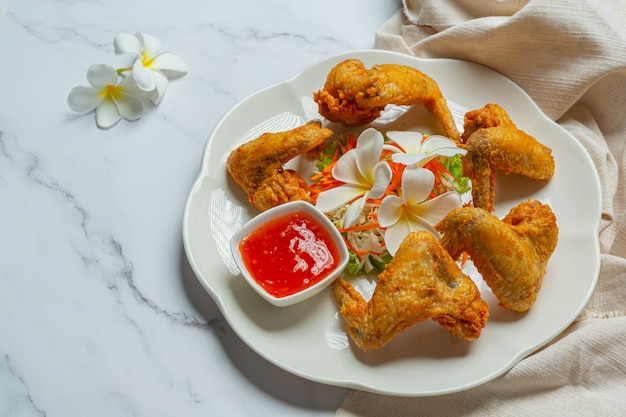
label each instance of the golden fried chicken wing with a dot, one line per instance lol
(422, 281)
(283, 186)
(491, 115)
(354, 95)
(257, 166)
(507, 149)
(511, 254)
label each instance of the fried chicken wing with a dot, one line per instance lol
(422, 281)
(257, 166)
(354, 95)
(283, 186)
(507, 149)
(492, 115)
(511, 254)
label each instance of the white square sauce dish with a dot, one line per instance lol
(289, 253)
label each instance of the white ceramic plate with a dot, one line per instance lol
(309, 339)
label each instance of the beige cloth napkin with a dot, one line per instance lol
(570, 56)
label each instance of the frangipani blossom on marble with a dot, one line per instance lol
(363, 175)
(417, 150)
(111, 98)
(115, 99)
(153, 67)
(413, 210)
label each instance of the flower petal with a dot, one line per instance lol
(409, 159)
(409, 141)
(419, 223)
(440, 145)
(382, 177)
(395, 234)
(433, 211)
(161, 83)
(151, 46)
(388, 146)
(129, 87)
(107, 114)
(369, 145)
(417, 183)
(101, 75)
(390, 210)
(345, 170)
(126, 43)
(354, 211)
(144, 77)
(334, 198)
(83, 99)
(448, 152)
(172, 66)
(130, 108)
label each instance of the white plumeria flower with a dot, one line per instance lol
(412, 211)
(112, 99)
(419, 151)
(364, 176)
(153, 67)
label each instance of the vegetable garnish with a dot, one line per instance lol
(411, 200)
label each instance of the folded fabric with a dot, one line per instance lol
(570, 57)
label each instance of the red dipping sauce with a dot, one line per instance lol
(289, 254)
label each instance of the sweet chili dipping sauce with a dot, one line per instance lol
(289, 253)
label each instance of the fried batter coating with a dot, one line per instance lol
(354, 95)
(286, 185)
(422, 281)
(503, 148)
(492, 115)
(257, 166)
(511, 254)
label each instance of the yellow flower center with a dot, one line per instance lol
(145, 60)
(112, 91)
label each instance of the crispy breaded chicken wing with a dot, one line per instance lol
(285, 185)
(507, 149)
(493, 142)
(257, 166)
(511, 254)
(422, 281)
(354, 95)
(492, 115)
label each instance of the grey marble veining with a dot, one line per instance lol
(100, 313)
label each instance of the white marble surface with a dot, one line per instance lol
(100, 314)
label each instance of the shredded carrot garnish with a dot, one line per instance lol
(396, 175)
(336, 154)
(464, 257)
(359, 253)
(324, 180)
(368, 252)
(352, 248)
(350, 142)
(367, 226)
(439, 170)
